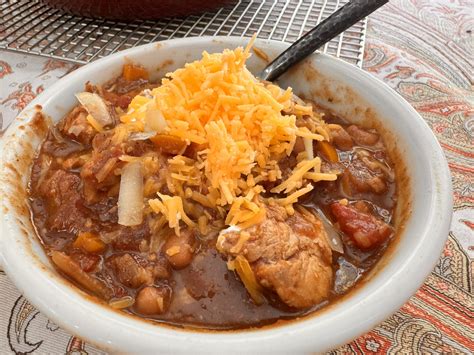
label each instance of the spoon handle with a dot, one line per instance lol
(338, 22)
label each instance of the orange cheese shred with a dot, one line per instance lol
(242, 128)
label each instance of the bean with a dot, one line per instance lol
(152, 300)
(179, 249)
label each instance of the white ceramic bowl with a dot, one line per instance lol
(424, 210)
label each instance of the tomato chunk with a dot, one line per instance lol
(365, 230)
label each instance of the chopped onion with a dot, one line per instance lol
(308, 147)
(122, 303)
(72, 269)
(96, 107)
(346, 276)
(334, 239)
(75, 130)
(109, 237)
(373, 163)
(130, 201)
(147, 93)
(142, 136)
(57, 135)
(298, 100)
(154, 120)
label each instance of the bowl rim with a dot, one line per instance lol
(268, 339)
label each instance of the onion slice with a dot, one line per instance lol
(308, 147)
(141, 136)
(96, 107)
(334, 239)
(130, 201)
(154, 120)
(72, 269)
(122, 303)
(374, 164)
(297, 100)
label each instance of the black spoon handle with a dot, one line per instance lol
(338, 22)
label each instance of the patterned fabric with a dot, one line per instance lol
(22, 78)
(424, 50)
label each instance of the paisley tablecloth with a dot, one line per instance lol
(424, 50)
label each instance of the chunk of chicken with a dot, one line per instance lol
(75, 126)
(359, 178)
(98, 172)
(62, 193)
(288, 254)
(130, 272)
(340, 138)
(362, 136)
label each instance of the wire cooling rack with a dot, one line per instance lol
(28, 26)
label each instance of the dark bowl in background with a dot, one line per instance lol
(129, 10)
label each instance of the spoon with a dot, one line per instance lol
(338, 22)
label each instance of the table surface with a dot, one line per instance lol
(422, 49)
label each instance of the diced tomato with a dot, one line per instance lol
(366, 230)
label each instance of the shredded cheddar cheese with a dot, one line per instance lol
(172, 209)
(243, 127)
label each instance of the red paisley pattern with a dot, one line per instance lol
(20, 98)
(22, 78)
(52, 65)
(5, 69)
(422, 49)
